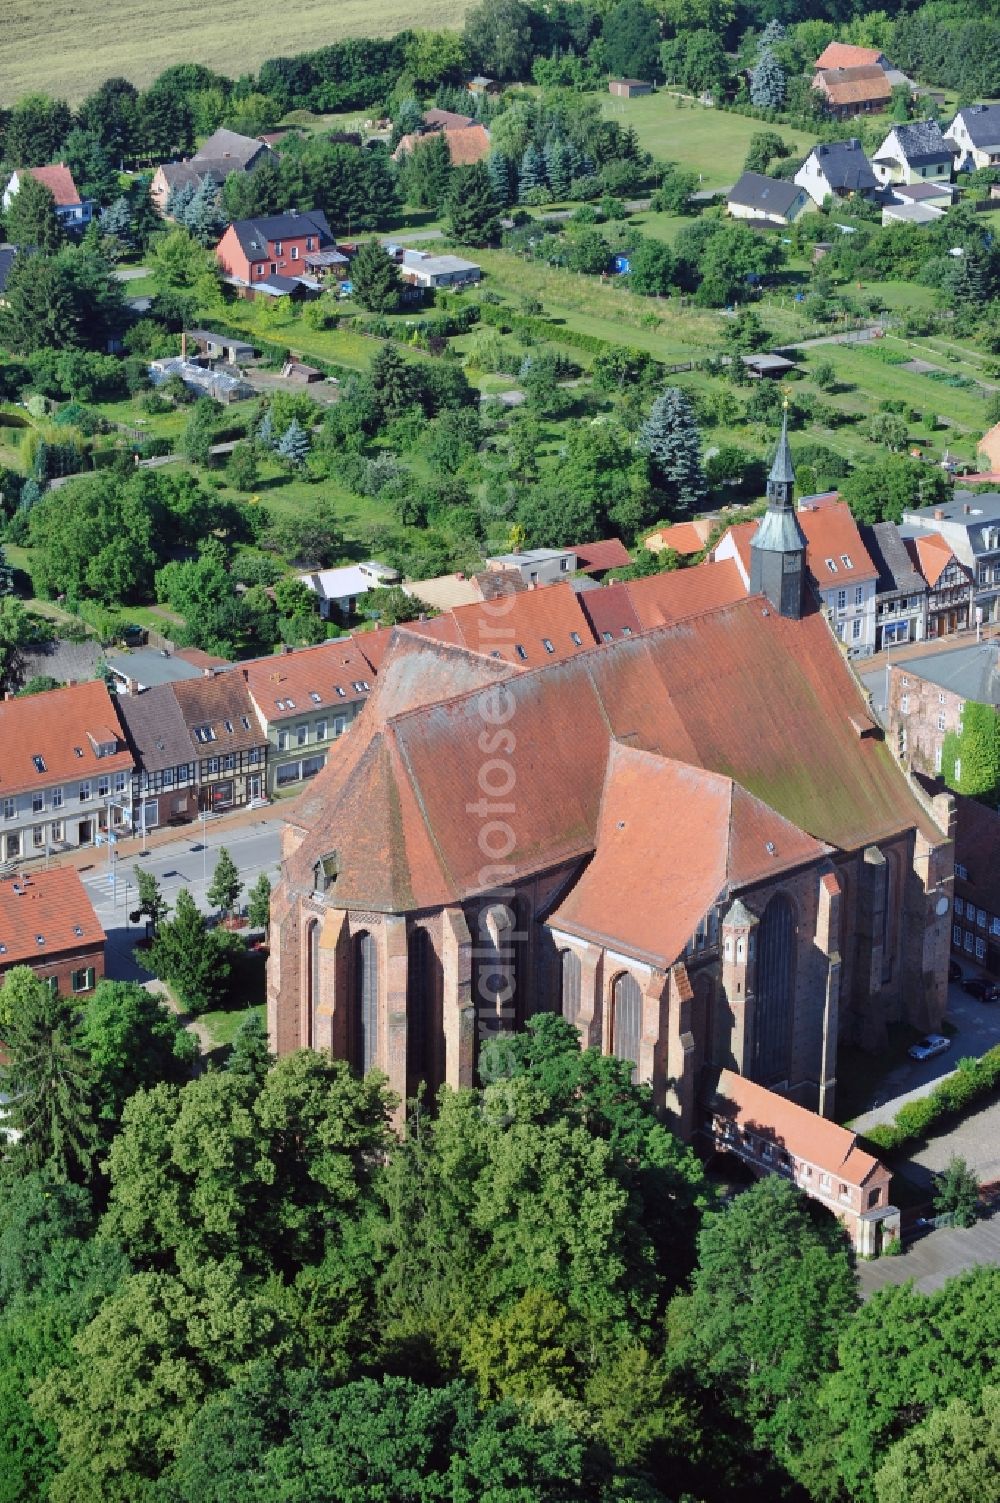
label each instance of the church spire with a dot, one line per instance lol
(781, 480)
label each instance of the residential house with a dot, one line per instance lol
(914, 153)
(950, 585)
(48, 922)
(853, 91)
(770, 200)
(928, 695)
(772, 1135)
(224, 152)
(467, 144)
(841, 573)
(479, 85)
(66, 772)
(900, 590)
(304, 701)
(537, 566)
(424, 269)
(595, 559)
(339, 590)
(226, 741)
(685, 538)
(837, 169)
(629, 88)
(611, 614)
(72, 213)
(165, 780)
(975, 933)
(526, 628)
(970, 525)
(844, 55)
(274, 246)
(436, 119)
(975, 135)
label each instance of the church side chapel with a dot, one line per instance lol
(693, 843)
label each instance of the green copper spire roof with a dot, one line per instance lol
(782, 470)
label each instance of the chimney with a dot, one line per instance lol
(939, 515)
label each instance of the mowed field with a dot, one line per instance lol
(712, 142)
(70, 46)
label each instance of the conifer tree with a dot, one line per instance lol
(375, 279)
(473, 208)
(226, 886)
(293, 445)
(532, 173)
(670, 438)
(767, 82)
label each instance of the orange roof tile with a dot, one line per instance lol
(528, 627)
(832, 536)
(802, 1133)
(853, 85)
(843, 55)
(695, 836)
(467, 144)
(610, 612)
(63, 728)
(684, 538)
(319, 678)
(59, 181)
(931, 554)
(660, 599)
(609, 554)
(45, 915)
(375, 644)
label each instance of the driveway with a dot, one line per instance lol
(933, 1257)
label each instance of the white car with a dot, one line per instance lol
(929, 1047)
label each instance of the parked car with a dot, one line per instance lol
(978, 986)
(954, 971)
(929, 1047)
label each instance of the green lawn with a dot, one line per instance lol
(222, 1026)
(710, 142)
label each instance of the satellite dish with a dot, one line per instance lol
(941, 906)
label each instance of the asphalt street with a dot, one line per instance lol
(183, 862)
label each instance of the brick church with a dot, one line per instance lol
(693, 843)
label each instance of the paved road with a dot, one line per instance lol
(934, 1256)
(180, 862)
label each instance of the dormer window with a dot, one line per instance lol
(845, 559)
(78, 751)
(831, 566)
(521, 652)
(38, 763)
(317, 699)
(342, 692)
(204, 734)
(576, 639)
(325, 872)
(547, 645)
(229, 726)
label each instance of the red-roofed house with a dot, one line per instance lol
(467, 144)
(304, 700)
(65, 770)
(71, 212)
(950, 585)
(48, 922)
(660, 599)
(611, 613)
(596, 559)
(853, 91)
(840, 569)
(685, 538)
(842, 55)
(775, 1136)
(528, 627)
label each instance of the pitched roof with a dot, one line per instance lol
(887, 551)
(221, 704)
(445, 591)
(844, 165)
(610, 612)
(374, 645)
(931, 555)
(447, 120)
(660, 599)
(768, 195)
(314, 678)
(467, 144)
(254, 234)
(832, 538)
(804, 1134)
(739, 691)
(684, 538)
(155, 728)
(695, 836)
(63, 728)
(921, 143)
(972, 672)
(594, 557)
(229, 145)
(854, 85)
(45, 915)
(193, 174)
(982, 121)
(528, 627)
(59, 181)
(843, 55)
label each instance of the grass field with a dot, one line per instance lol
(70, 48)
(708, 141)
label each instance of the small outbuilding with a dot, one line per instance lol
(629, 88)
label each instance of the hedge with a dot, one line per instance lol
(533, 324)
(972, 1080)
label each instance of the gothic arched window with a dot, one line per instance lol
(571, 983)
(364, 1041)
(775, 990)
(626, 1019)
(312, 983)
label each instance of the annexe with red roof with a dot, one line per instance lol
(71, 211)
(48, 922)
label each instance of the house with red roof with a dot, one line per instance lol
(48, 922)
(71, 211)
(467, 144)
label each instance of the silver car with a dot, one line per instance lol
(929, 1047)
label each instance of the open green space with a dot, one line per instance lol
(67, 49)
(711, 142)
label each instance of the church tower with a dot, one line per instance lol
(778, 547)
